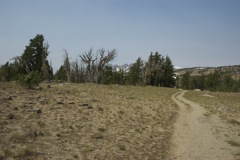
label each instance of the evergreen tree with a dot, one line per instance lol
(34, 55)
(213, 81)
(168, 73)
(135, 75)
(34, 58)
(186, 80)
(154, 69)
(61, 74)
(5, 72)
(118, 77)
(227, 83)
(107, 76)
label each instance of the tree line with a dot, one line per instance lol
(32, 67)
(95, 68)
(215, 81)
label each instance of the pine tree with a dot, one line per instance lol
(168, 73)
(61, 74)
(135, 75)
(186, 80)
(33, 66)
(5, 72)
(34, 55)
(154, 69)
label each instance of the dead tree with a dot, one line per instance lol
(89, 59)
(96, 63)
(75, 71)
(67, 66)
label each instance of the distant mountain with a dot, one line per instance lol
(125, 67)
(177, 67)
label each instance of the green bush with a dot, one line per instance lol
(30, 80)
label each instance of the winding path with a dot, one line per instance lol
(195, 136)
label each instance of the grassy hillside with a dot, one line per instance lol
(234, 71)
(85, 121)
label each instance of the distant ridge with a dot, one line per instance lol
(233, 70)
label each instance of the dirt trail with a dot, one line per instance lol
(196, 136)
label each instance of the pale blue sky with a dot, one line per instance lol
(191, 32)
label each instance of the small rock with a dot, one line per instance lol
(9, 98)
(71, 102)
(90, 107)
(34, 134)
(60, 101)
(10, 116)
(100, 108)
(15, 108)
(37, 97)
(34, 110)
(39, 88)
(42, 101)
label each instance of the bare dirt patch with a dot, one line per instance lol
(85, 121)
(207, 95)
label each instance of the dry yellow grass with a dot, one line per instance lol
(94, 122)
(226, 104)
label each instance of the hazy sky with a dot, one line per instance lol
(190, 32)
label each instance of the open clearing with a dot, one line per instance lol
(85, 121)
(89, 121)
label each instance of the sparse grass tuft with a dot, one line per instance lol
(237, 155)
(41, 124)
(26, 152)
(234, 143)
(97, 136)
(58, 135)
(233, 121)
(7, 153)
(122, 147)
(102, 129)
(17, 137)
(207, 114)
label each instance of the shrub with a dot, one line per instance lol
(30, 80)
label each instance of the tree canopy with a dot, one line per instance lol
(32, 66)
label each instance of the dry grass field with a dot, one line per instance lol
(226, 105)
(85, 121)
